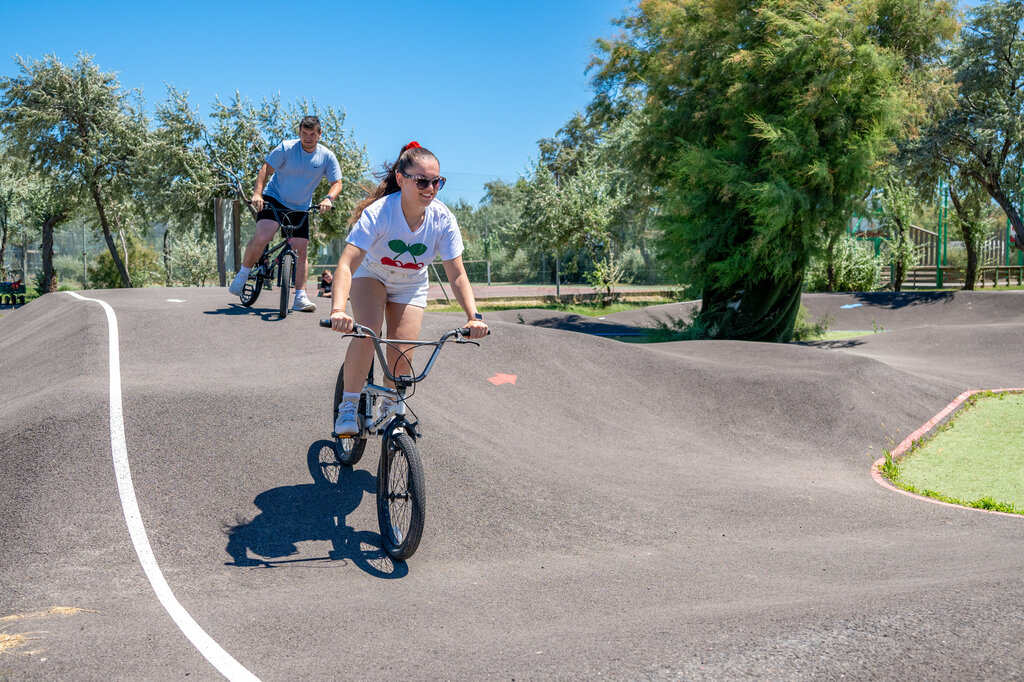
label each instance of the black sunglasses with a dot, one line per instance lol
(422, 181)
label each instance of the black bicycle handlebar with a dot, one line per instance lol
(314, 208)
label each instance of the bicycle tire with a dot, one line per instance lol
(401, 496)
(348, 450)
(287, 271)
(253, 286)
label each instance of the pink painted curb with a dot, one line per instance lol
(909, 441)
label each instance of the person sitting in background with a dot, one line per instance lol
(324, 288)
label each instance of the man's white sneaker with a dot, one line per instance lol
(347, 423)
(303, 304)
(237, 285)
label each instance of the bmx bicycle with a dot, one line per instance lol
(277, 262)
(401, 491)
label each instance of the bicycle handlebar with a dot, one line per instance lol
(367, 333)
(313, 208)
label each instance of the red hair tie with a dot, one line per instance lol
(412, 145)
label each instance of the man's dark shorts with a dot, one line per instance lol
(286, 216)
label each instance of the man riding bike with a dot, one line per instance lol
(294, 168)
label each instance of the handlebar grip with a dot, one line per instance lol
(325, 323)
(465, 331)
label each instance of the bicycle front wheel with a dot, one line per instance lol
(287, 270)
(253, 286)
(348, 450)
(401, 496)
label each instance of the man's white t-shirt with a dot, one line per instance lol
(384, 234)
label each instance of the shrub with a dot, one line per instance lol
(143, 267)
(856, 268)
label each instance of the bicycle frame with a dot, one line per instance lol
(394, 417)
(286, 245)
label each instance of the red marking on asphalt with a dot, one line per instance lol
(499, 379)
(909, 441)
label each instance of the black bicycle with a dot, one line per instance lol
(279, 267)
(401, 490)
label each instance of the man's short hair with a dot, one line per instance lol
(310, 123)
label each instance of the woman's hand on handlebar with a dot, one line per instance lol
(342, 322)
(477, 329)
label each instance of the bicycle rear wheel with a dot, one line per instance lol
(401, 496)
(287, 272)
(348, 450)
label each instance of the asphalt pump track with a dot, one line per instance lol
(689, 510)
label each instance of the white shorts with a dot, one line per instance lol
(401, 287)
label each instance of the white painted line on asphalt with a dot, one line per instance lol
(214, 653)
(175, 300)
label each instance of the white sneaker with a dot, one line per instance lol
(303, 304)
(237, 285)
(347, 423)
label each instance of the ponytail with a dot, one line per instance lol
(388, 183)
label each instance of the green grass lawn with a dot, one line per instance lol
(976, 460)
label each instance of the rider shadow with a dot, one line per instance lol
(238, 309)
(299, 513)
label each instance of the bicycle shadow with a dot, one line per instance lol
(317, 511)
(268, 314)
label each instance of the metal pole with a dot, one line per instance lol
(85, 263)
(940, 250)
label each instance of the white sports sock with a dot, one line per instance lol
(300, 293)
(351, 397)
(243, 272)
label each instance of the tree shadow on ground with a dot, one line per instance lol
(312, 512)
(904, 299)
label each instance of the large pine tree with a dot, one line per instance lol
(762, 121)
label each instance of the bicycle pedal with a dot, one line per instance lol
(347, 435)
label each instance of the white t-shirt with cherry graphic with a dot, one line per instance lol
(384, 234)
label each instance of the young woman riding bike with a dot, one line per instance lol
(382, 271)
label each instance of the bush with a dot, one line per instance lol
(193, 261)
(143, 267)
(856, 267)
(69, 268)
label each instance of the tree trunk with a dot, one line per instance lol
(967, 231)
(830, 260)
(764, 310)
(236, 234)
(24, 261)
(1014, 216)
(900, 262)
(3, 250)
(49, 275)
(167, 256)
(109, 238)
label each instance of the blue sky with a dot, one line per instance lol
(477, 82)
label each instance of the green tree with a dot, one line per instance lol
(13, 189)
(895, 202)
(143, 262)
(197, 159)
(760, 122)
(571, 212)
(77, 128)
(981, 138)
